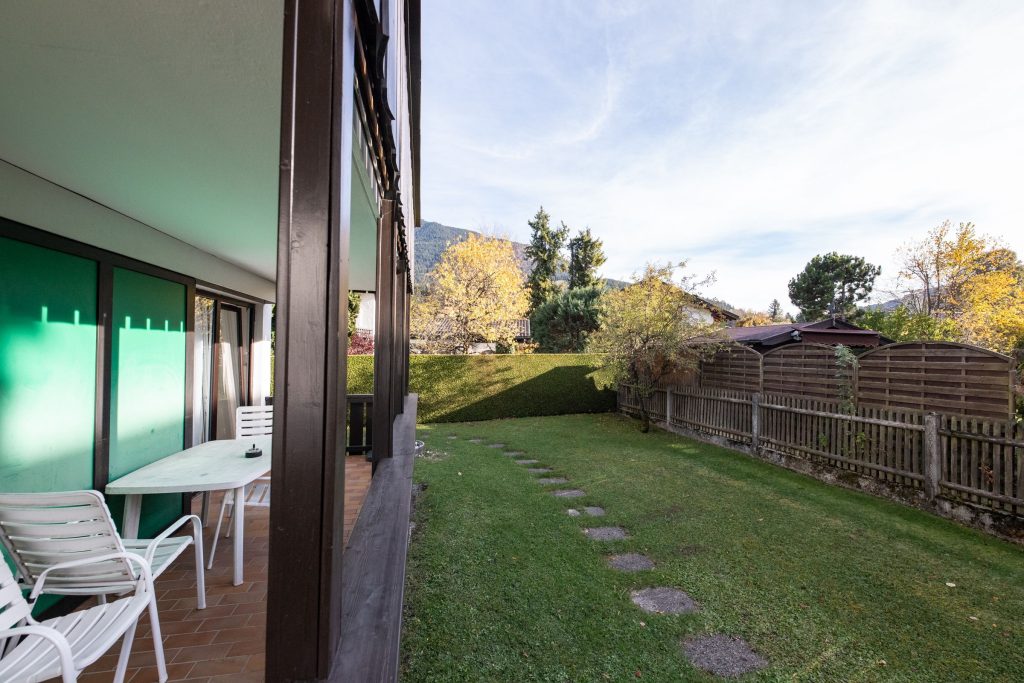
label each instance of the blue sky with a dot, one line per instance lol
(745, 137)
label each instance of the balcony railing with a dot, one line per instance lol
(360, 424)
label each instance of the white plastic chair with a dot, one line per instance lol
(249, 421)
(31, 651)
(42, 531)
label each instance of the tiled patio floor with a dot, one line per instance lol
(224, 642)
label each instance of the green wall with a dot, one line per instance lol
(147, 392)
(47, 368)
(489, 387)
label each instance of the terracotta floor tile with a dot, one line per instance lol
(218, 667)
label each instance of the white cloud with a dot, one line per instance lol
(748, 140)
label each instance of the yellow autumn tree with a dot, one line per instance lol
(474, 294)
(969, 281)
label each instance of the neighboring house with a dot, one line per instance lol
(830, 331)
(169, 172)
(707, 312)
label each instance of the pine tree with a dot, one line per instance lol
(545, 250)
(586, 255)
(775, 310)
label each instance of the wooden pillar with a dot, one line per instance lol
(384, 334)
(398, 361)
(408, 335)
(306, 520)
(755, 422)
(932, 456)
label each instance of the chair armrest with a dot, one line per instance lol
(197, 534)
(67, 663)
(147, 576)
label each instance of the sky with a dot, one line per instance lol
(742, 137)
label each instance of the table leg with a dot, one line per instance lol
(132, 512)
(239, 531)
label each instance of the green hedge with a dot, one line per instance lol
(468, 388)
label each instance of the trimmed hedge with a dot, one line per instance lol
(469, 388)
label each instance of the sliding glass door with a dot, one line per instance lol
(222, 372)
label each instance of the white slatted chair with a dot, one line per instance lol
(44, 530)
(31, 651)
(249, 421)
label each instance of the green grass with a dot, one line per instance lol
(828, 584)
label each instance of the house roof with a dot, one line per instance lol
(715, 309)
(828, 331)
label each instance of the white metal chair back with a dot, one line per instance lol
(254, 421)
(13, 606)
(40, 530)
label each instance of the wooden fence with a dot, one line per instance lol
(980, 462)
(953, 379)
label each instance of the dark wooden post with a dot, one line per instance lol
(398, 363)
(384, 335)
(306, 521)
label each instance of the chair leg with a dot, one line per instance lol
(126, 652)
(216, 533)
(158, 640)
(197, 538)
(205, 514)
(101, 599)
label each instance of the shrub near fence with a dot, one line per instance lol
(943, 458)
(488, 387)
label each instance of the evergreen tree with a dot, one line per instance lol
(586, 255)
(545, 250)
(564, 323)
(832, 284)
(775, 310)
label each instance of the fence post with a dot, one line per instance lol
(932, 456)
(668, 405)
(755, 422)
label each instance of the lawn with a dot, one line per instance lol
(826, 584)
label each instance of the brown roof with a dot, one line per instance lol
(828, 331)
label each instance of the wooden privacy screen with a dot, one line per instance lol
(735, 368)
(802, 370)
(955, 379)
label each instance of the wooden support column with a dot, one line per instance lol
(384, 334)
(306, 520)
(398, 363)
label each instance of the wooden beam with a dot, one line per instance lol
(304, 591)
(384, 333)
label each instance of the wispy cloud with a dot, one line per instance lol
(745, 137)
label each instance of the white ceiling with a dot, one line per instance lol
(164, 110)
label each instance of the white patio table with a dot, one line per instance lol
(212, 466)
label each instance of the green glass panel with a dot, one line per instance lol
(47, 368)
(147, 392)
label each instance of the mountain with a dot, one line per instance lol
(433, 238)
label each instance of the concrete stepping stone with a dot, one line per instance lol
(573, 512)
(663, 600)
(495, 445)
(630, 562)
(476, 440)
(594, 511)
(606, 533)
(552, 480)
(452, 437)
(539, 470)
(568, 493)
(527, 462)
(513, 454)
(722, 655)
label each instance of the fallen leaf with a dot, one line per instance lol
(951, 584)
(973, 618)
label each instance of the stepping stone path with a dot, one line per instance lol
(664, 601)
(476, 440)
(452, 437)
(573, 512)
(527, 462)
(569, 493)
(552, 480)
(594, 511)
(538, 470)
(513, 454)
(722, 655)
(630, 562)
(606, 533)
(496, 445)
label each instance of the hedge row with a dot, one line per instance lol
(468, 388)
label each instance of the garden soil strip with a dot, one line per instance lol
(722, 655)
(606, 533)
(663, 600)
(630, 562)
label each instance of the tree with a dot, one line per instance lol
(545, 250)
(971, 281)
(754, 319)
(474, 294)
(832, 284)
(901, 324)
(775, 311)
(586, 255)
(646, 330)
(564, 323)
(353, 312)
